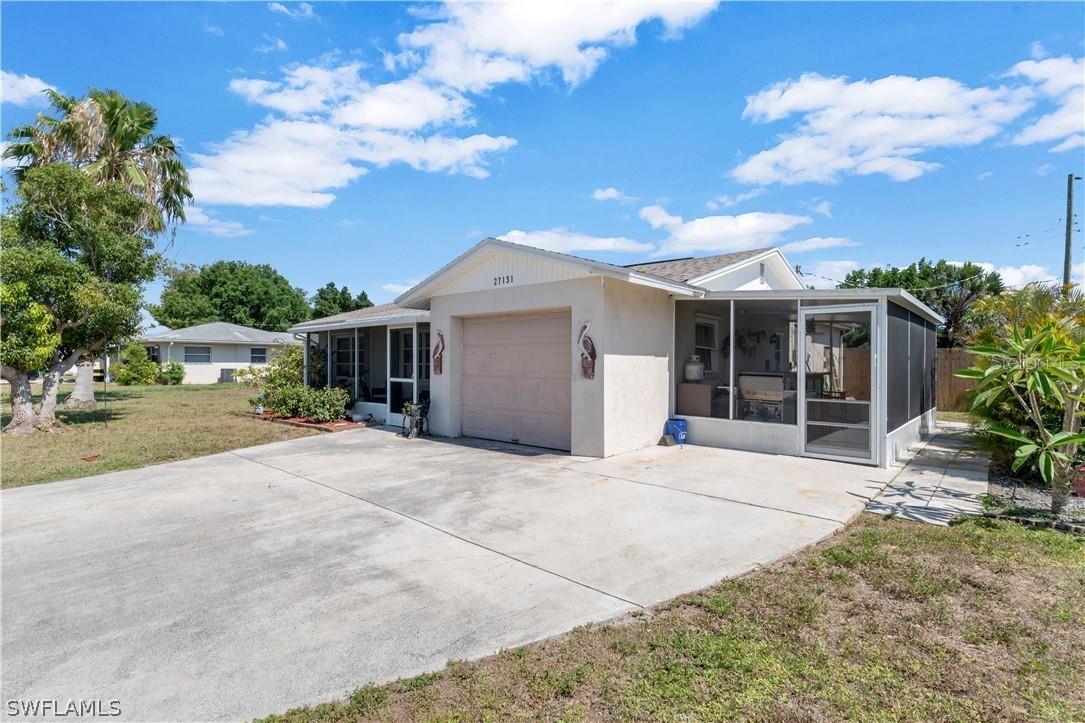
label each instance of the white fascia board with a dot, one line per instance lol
(417, 296)
(774, 252)
(361, 323)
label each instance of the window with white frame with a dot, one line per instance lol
(197, 355)
(152, 353)
(258, 355)
(706, 341)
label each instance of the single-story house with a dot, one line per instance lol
(213, 352)
(516, 343)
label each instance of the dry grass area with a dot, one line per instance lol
(145, 425)
(888, 620)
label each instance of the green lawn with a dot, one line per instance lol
(145, 425)
(954, 416)
(888, 620)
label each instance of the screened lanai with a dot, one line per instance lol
(380, 355)
(841, 374)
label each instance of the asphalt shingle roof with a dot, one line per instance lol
(221, 332)
(690, 268)
(380, 310)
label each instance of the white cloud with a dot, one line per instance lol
(398, 289)
(297, 162)
(303, 89)
(304, 11)
(1044, 169)
(827, 274)
(271, 45)
(213, 29)
(819, 206)
(866, 127)
(474, 46)
(566, 241)
(1062, 82)
(726, 201)
(1038, 51)
(407, 105)
(22, 90)
(1017, 276)
(719, 233)
(610, 194)
(817, 243)
(985, 175)
(203, 221)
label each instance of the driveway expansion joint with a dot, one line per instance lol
(442, 530)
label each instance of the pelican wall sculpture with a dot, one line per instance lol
(587, 351)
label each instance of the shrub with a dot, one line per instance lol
(134, 366)
(284, 369)
(172, 373)
(314, 405)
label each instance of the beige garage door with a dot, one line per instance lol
(517, 378)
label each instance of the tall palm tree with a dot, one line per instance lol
(112, 139)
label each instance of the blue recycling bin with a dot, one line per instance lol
(677, 429)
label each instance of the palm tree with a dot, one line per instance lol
(111, 138)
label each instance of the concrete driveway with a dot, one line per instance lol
(244, 583)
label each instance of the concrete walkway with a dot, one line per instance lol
(943, 481)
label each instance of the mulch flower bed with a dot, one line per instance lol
(340, 425)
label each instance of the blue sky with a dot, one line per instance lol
(368, 144)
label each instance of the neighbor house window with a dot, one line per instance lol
(258, 355)
(152, 353)
(197, 355)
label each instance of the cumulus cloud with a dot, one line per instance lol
(719, 234)
(1060, 81)
(610, 194)
(827, 274)
(1017, 276)
(199, 219)
(817, 243)
(565, 241)
(985, 175)
(271, 45)
(474, 46)
(871, 127)
(397, 289)
(407, 104)
(213, 29)
(304, 11)
(821, 207)
(726, 201)
(22, 90)
(303, 89)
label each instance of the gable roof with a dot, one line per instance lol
(418, 296)
(221, 332)
(691, 268)
(378, 315)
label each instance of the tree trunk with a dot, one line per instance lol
(23, 418)
(50, 385)
(82, 397)
(1060, 492)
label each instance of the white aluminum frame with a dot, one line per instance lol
(876, 424)
(395, 418)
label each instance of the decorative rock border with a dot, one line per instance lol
(1028, 521)
(337, 426)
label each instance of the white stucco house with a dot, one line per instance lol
(213, 352)
(515, 343)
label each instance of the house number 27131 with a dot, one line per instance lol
(502, 280)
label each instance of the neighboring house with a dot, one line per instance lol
(214, 352)
(516, 343)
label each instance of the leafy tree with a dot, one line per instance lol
(1034, 366)
(330, 300)
(949, 289)
(241, 293)
(111, 138)
(74, 257)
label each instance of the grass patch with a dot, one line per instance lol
(888, 620)
(145, 425)
(954, 416)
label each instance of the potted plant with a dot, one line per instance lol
(257, 403)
